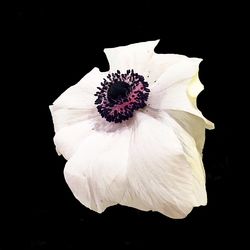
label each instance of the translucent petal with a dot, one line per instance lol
(193, 125)
(189, 144)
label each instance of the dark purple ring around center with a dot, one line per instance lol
(120, 95)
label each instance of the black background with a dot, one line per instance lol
(54, 46)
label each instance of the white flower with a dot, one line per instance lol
(137, 140)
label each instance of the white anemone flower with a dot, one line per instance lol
(134, 135)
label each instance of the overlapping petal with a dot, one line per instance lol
(96, 173)
(165, 171)
(152, 161)
(178, 89)
(159, 64)
(193, 125)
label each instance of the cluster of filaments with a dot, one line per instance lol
(120, 95)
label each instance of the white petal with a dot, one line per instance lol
(77, 102)
(81, 95)
(189, 144)
(178, 89)
(72, 126)
(68, 139)
(134, 56)
(63, 117)
(96, 173)
(159, 174)
(159, 64)
(195, 126)
(184, 69)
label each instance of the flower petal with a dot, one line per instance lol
(178, 89)
(63, 117)
(77, 102)
(195, 126)
(159, 64)
(159, 174)
(189, 144)
(81, 95)
(96, 173)
(184, 69)
(68, 139)
(134, 56)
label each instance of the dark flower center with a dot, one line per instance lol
(118, 91)
(120, 95)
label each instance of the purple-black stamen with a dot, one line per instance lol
(121, 95)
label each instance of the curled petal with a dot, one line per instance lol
(184, 69)
(189, 145)
(159, 64)
(194, 88)
(193, 125)
(178, 89)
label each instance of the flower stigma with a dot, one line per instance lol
(120, 95)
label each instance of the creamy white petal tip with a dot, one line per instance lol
(134, 135)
